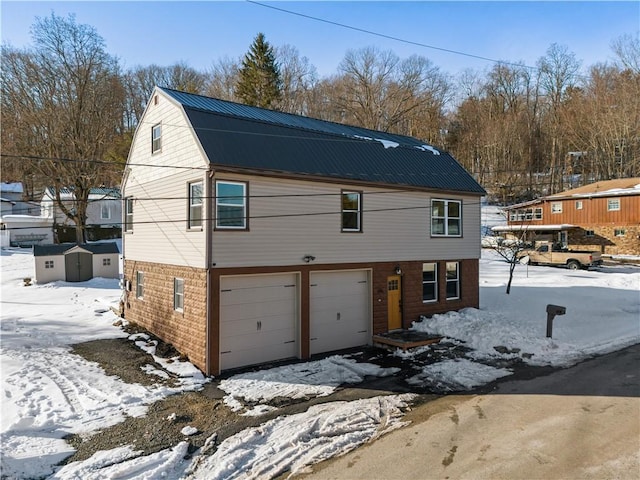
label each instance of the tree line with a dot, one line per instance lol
(522, 131)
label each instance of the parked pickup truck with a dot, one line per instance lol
(552, 254)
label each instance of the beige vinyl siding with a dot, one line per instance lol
(45, 275)
(395, 226)
(160, 192)
(106, 271)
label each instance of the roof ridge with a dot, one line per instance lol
(408, 140)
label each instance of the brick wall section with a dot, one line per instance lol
(605, 241)
(412, 304)
(186, 330)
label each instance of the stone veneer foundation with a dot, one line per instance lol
(186, 330)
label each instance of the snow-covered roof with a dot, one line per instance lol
(527, 228)
(11, 187)
(605, 188)
(97, 193)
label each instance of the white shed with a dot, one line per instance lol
(76, 263)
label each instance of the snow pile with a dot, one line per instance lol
(455, 375)
(301, 380)
(296, 441)
(603, 312)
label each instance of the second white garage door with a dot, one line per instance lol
(339, 310)
(258, 319)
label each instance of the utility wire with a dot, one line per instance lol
(390, 37)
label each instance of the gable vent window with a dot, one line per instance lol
(351, 211)
(446, 218)
(156, 138)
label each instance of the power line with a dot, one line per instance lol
(390, 37)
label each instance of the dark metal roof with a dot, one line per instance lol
(241, 136)
(63, 248)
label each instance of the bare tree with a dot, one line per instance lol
(65, 102)
(222, 79)
(298, 77)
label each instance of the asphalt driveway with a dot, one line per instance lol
(578, 423)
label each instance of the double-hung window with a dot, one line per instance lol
(178, 294)
(351, 211)
(195, 205)
(429, 282)
(139, 284)
(556, 207)
(231, 205)
(128, 214)
(156, 138)
(446, 218)
(453, 280)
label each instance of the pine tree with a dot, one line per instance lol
(260, 83)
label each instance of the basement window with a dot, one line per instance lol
(178, 294)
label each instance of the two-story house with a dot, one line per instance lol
(104, 211)
(253, 235)
(602, 216)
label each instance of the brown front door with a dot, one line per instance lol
(394, 307)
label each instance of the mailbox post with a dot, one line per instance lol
(552, 311)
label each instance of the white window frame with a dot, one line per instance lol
(613, 204)
(619, 232)
(140, 284)
(537, 213)
(195, 203)
(556, 207)
(178, 294)
(433, 282)
(156, 138)
(104, 206)
(453, 280)
(357, 210)
(445, 218)
(128, 214)
(244, 225)
(49, 264)
(578, 204)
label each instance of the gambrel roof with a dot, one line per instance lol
(245, 138)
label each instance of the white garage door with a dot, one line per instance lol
(258, 318)
(339, 310)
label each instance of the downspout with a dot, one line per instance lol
(208, 259)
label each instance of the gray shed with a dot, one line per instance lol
(76, 263)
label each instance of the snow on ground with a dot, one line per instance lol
(302, 380)
(47, 392)
(602, 313)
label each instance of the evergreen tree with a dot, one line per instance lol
(259, 82)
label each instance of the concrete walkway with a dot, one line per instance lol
(579, 423)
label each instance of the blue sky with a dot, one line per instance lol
(199, 33)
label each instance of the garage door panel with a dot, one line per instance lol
(283, 309)
(258, 319)
(339, 310)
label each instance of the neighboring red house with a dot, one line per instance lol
(602, 216)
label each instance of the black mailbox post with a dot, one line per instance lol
(552, 311)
